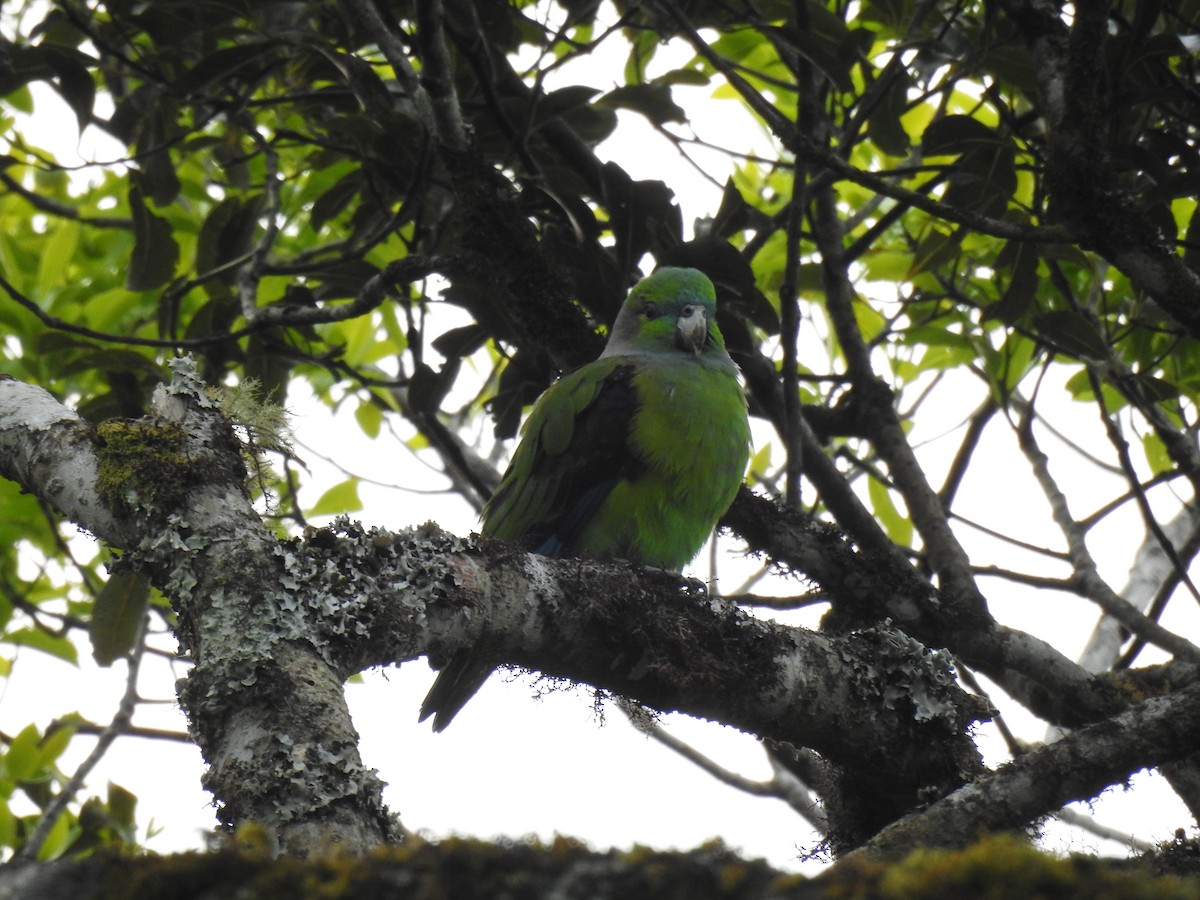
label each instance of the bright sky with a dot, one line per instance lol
(512, 764)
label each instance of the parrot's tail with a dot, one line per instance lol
(455, 684)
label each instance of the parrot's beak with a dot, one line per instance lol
(691, 329)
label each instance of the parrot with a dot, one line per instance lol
(633, 456)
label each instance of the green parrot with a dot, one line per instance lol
(633, 456)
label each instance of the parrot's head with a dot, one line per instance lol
(672, 310)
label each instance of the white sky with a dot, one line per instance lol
(513, 765)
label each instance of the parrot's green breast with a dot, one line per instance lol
(691, 435)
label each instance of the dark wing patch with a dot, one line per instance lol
(574, 450)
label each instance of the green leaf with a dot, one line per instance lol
(23, 757)
(1156, 454)
(340, 498)
(56, 257)
(56, 741)
(58, 840)
(1016, 356)
(8, 826)
(369, 417)
(897, 525)
(55, 645)
(642, 50)
(760, 463)
(117, 616)
(19, 99)
(122, 806)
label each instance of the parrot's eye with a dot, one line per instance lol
(651, 311)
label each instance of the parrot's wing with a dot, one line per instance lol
(574, 448)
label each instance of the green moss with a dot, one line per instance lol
(143, 465)
(148, 465)
(996, 868)
(1001, 867)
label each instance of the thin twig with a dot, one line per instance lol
(1092, 586)
(1069, 816)
(119, 726)
(806, 807)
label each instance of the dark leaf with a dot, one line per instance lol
(1157, 389)
(1022, 285)
(521, 382)
(644, 217)
(883, 125)
(344, 279)
(592, 124)
(428, 388)
(215, 316)
(984, 179)
(224, 64)
(459, 342)
(1072, 333)
(935, 249)
(331, 203)
(122, 805)
(1012, 64)
(228, 232)
(684, 76)
(651, 100)
(74, 81)
(893, 13)
(117, 616)
(734, 214)
(558, 102)
(268, 362)
(1191, 248)
(953, 135)
(155, 252)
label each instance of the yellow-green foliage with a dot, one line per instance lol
(997, 868)
(1001, 867)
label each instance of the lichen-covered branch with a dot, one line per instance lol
(1078, 767)
(276, 626)
(265, 708)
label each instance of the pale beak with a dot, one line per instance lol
(691, 329)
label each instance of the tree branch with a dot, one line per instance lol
(1078, 767)
(274, 627)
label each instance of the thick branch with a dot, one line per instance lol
(867, 586)
(265, 706)
(1078, 767)
(275, 627)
